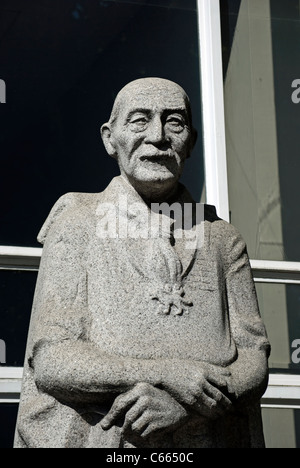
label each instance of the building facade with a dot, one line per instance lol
(62, 64)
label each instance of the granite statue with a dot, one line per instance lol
(145, 329)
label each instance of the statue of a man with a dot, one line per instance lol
(141, 336)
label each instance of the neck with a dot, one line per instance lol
(154, 192)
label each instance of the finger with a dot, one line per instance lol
(140, 425)
(212, 368)
(220, 380)
(216, 398)
(207, 401)
(121, 404)
(149, 430)
(209, 408)
(132, 415)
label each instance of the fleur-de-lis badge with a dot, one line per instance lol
(171, 300)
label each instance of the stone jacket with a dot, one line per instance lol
(137, 305)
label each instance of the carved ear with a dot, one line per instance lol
(107, 139)
(194, 138)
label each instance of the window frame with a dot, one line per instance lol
(213, 113)
(20, 258)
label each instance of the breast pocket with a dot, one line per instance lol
(204, 275)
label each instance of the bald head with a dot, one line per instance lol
(146, 88)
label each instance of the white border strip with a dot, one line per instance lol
(11, 251)
(272, 266)
(276, 272)
(212, 91)
(27, 258)
(20, 258)
(283, 390)
(10, 384)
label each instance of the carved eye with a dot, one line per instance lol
(175, 123)
(138, 122)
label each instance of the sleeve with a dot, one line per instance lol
(249, 372)
(247, 327)
(59, 309)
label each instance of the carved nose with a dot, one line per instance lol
(156, 132)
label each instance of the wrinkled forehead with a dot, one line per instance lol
(151, 96)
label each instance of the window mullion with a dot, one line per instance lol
(212, 91)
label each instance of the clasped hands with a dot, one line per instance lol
(146, 409)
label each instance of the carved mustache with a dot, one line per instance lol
(158, 156)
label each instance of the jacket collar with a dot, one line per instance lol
(142, 222)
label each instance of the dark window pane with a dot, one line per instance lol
(16, 295)
(63, 64)
(8, 417)
(180, 4)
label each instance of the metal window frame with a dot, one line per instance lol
(283, 390)
(20, 258)
(10, 384)
(212, 92)
(264, 271)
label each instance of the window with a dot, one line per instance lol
(63, 64)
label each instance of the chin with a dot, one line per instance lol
(157, 177)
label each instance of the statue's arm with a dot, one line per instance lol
(78, 372)
(249, 372)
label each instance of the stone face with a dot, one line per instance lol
(145, 328)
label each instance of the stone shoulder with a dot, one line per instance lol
(227, 242)
(71, 209)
